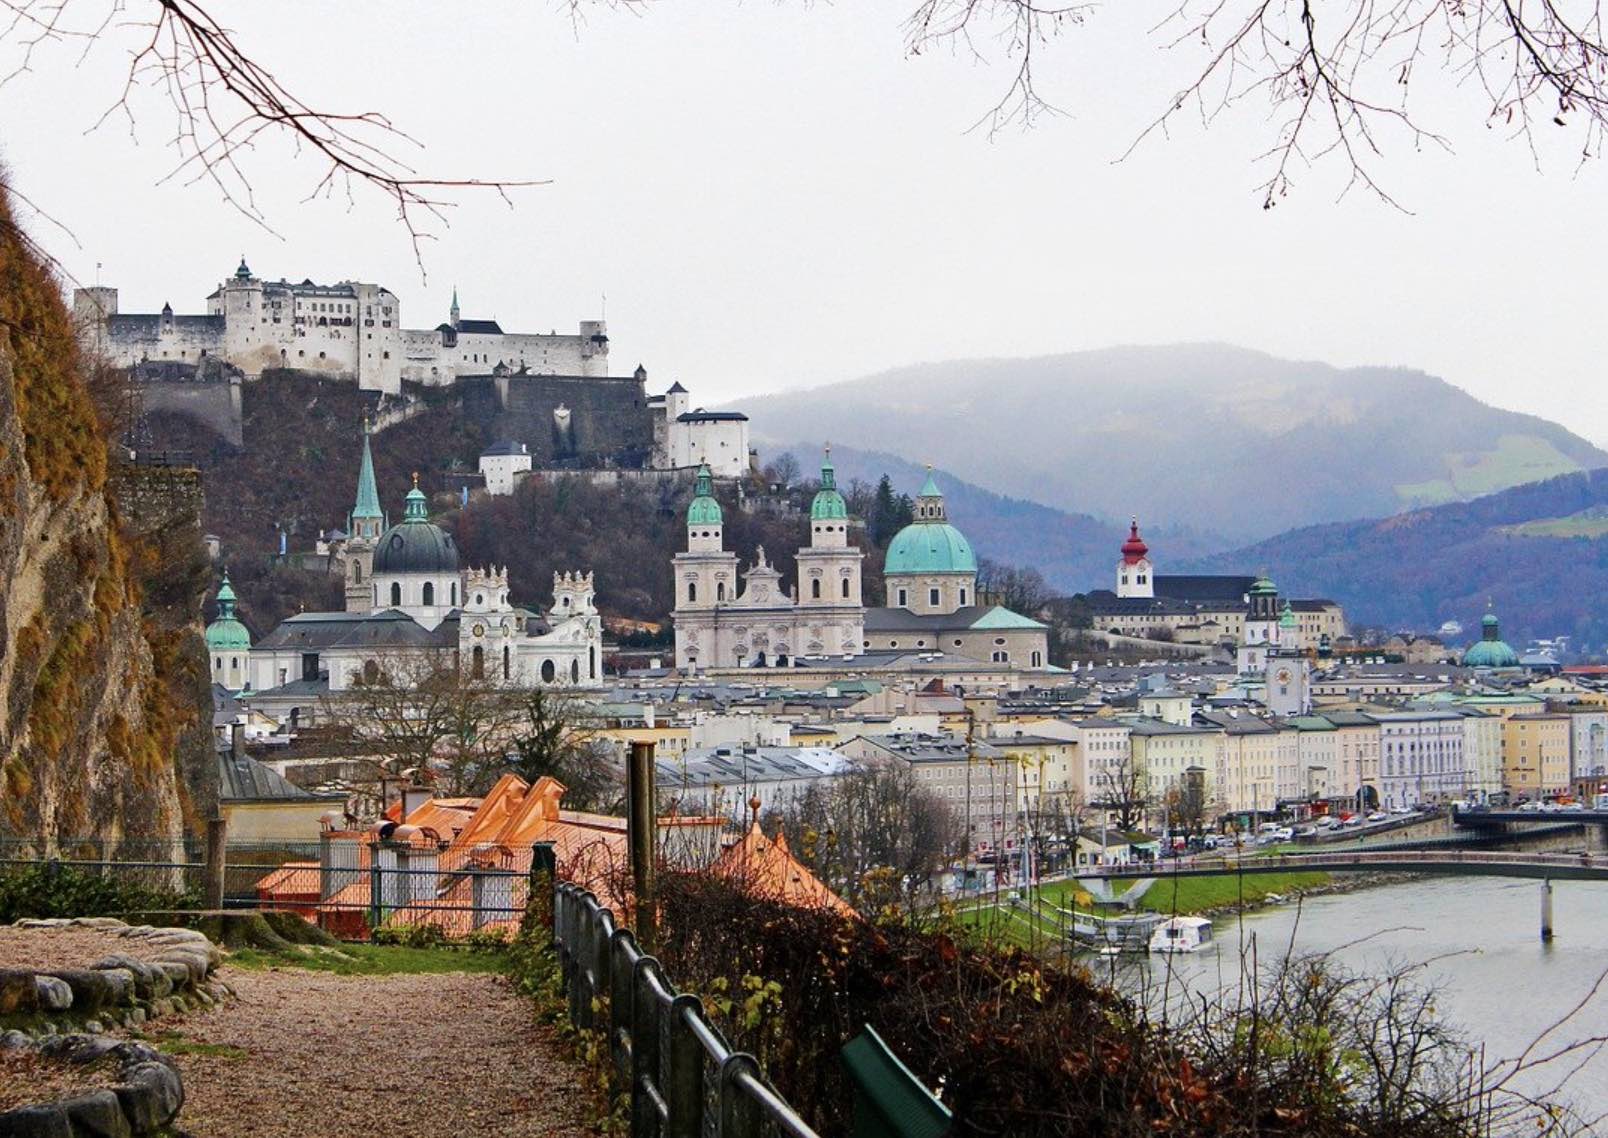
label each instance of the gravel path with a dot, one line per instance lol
(324, 1054)
(39, 948)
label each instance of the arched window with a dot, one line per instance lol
(591, 666)
(548, 671)
(396, 594)
(845, 588)
(429, 592)
(357, 572)
(477, 666)
(455, 594)
(505, 662)
(575, 671)
(692, 592)
(720, 590)
(371, 671)
(234, 661)
(815, 589)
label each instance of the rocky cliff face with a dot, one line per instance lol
(104, 708)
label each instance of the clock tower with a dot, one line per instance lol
(1289, 677)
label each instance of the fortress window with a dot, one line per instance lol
(385, 355)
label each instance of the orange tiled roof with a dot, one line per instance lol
(767, 868)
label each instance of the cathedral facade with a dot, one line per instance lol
(726, 618)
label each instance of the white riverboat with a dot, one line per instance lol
(1182, 934)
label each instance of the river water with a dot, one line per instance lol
(1480, 941)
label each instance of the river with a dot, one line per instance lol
(1480, 940)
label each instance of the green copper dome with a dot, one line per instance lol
(1287, 617)
(1262, 586)
(705, 510)
(930, 544)
(226, 633)
(829, 504)
(1490, 651)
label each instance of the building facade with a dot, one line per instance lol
(351, 330)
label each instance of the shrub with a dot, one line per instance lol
(49, 889)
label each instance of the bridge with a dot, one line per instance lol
(1505, 817)
(1543, 867)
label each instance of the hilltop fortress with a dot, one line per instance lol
(547, 397)
(350, 330)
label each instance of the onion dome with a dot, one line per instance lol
(242, 273)
(1263, 587)
(828, 504)
(704, 510)
(930, 544)
(416, 545)
(1490, 651)
(226, 633)
(1287, 616)
(1134, 549)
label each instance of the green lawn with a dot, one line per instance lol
(371, 959)
(1194, 894)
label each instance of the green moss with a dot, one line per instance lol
(62, 439)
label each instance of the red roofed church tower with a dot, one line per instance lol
(1134, 571)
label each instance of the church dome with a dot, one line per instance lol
(930, 544)
(828, 504)
(705, 509)
(1490, 651)
(930, 547)
(226, 633)
(416, 545)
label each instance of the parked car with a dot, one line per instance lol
(1529, 808)
(1354, 820)
(1408, 809)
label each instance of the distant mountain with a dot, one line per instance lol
(1539, 552)
(1202, 435)
(1075, 552)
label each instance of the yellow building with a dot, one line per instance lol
(1535, 754)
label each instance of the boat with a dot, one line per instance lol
(1182, 934)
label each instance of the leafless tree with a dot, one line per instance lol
(552, 735)
(1122, 790)
(873, 834)
(1333, 78)
(1022, 590)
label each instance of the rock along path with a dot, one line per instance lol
(310, 1053)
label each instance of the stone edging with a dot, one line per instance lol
(119, 989)
(144, 1100)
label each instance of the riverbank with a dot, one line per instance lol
(1230, 894)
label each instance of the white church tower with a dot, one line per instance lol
(705, 575)
(832, 611)
(1135, 574)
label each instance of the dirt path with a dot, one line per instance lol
(309, 1053)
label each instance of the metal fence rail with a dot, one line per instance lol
(686, 1081)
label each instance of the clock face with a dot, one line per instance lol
(480, 630)
(1284, 675)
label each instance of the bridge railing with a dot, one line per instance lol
(1160, 867)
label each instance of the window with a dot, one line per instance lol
(477, 667)
(815, 589)
(720, 590)
(904, 600)
(548, 671)
(963, 594)
(692, 592)
(932, 597)
(845, 588)
(455, 594)
(505, 662)
(575, 671)
(396, 594)
(429, 593)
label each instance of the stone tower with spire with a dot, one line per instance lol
(364, 525)
(829, 567)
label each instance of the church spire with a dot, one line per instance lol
(452, 313)
(367, 506)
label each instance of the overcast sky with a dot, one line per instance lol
(772, 195)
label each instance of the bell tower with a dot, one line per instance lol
(364, 525)
(1135, 574)
(705, 576)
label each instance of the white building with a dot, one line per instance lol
(724, 780)
(349, 330)
(1420, 757)
(411, 609)
(686, 437)
(502, 463)
(727, 619)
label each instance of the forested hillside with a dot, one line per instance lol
(1539, 552)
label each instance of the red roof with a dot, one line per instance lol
(1134, 549)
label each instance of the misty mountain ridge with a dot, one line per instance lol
(1207, 436)
(1538, 553)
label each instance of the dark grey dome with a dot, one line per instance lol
(416, 547)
